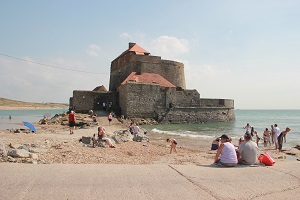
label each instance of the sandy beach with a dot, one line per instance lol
(144, 162)
(54, 144)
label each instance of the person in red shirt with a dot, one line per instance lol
(72, 121)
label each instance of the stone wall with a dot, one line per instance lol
(170, 70)
(187, 98)
(173, 71)
(227, 103)
(83, 101)
(139, 99)
(195, 115)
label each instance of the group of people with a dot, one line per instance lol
(227, 155)
(246, 151)
(271, 137)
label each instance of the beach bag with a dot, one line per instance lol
(266, 159)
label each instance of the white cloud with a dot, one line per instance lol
(93, 50)
(169, 47)
(125, 35)
(37, 83)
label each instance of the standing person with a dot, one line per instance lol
(173, 144)
(272, 133)
(247, 152)
(253, 132)
(226, 152)
(72, 121)
(104, 106)
(267, 134)
(110, 118)
(9, 117)
(257, 137)
(281, 136)
(276, 135)
(247, 127)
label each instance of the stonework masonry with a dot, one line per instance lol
(170, 70)
(146, 86)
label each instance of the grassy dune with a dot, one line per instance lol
(14, 104)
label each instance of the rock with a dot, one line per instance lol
(19, 153)
(26, 147)
(33, 156)
(140, 138)
(297, 146)
(2, 150)
(11, 159)
(86, 140)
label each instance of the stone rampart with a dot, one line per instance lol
(187, 98)
(227, 103)
(84, 100)
(195, 115)
(139, 99)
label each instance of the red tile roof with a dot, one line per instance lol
(148, 78)
(137, 49)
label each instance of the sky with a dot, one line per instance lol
(248, 51)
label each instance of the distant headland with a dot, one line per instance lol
(9, 104)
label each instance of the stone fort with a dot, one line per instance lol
(146, 86)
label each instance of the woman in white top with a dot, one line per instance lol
(226, 152)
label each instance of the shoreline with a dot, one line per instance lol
(54, 145)
(30, 108)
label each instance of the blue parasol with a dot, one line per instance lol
(30, 126)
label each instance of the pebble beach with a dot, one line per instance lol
(52, 144)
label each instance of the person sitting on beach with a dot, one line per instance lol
(247, 152)
(173, 144)
(226, 152)
(241, 140)
(280, 138)
(131, 128)
(44, 120)
(136, 129)
(102, 136)
(215, 144)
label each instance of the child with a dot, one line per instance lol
(215, 144)
(173, 144)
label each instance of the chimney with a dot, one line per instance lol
(131, 44)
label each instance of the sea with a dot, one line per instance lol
(259, 119)
(20, 116)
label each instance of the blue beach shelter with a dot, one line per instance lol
(30, 126)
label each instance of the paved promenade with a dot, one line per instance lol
(63, 181)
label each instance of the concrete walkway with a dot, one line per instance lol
(98, 181)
